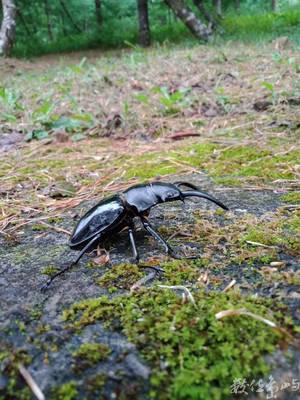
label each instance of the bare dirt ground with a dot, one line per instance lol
(224, 118)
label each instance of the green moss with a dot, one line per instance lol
(91, 264)
(178, 272)
(231, 166)
(252, 162)
(164, 163)
(150, 166)
(39, 227)
(15, 389)
(292, 197)
(192, 354)
(50, 270)
(54, 220)
(196, 154)
(90, 311)
(35, 314)
(263, 236)
(282, 231)
(293, 223)
(95, 383)
(266, 259)
(89, 354)
(42, 328)
(67, 391)
(122, 276)
(3, 355)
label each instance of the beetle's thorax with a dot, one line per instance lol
(141, 198)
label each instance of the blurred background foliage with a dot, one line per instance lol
(46, 26)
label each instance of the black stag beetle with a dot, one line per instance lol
(113, 214)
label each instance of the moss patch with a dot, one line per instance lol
(50, 270)
(89, 354)
(121, 276)
(144, 167)
(192, 354)
(253, 163)
(95, 383)
(67, 391)
(292, 197)
(10, 360)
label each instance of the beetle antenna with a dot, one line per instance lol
(199, 193)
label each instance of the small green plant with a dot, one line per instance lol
(75, 124)
(10, 99)
(172, 102)
(43, 112)
(271, 89)
(277, 57)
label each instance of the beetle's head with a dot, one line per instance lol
(141, 198)
(166, 192)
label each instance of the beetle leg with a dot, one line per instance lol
(157, 236)
(158, 270)
(161, 240)
(187, 184)
(133, 246)
(62, 271)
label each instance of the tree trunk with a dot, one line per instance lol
(49, 27)
(8, 27)
(274, 5)
(144, 32)
(183, 12)
(218, 7)
(209, 18)
(66, 11)
(98, 11)
(238, 5)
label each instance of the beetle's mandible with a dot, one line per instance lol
(113, 214)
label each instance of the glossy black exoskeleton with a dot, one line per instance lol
(113, 214)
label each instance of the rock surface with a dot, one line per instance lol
(31, 320)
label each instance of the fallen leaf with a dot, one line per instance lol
(182, 135)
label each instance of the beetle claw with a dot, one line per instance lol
(158, 270)
(45, 286)
(179, 257)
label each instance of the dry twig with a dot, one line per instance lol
(260, 244)
(185, 290)
(143, 281)
(229, 286)
(244, 311)
(31, 382)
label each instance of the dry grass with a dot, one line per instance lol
(154, 95)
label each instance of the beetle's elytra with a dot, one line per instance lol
(113, 214)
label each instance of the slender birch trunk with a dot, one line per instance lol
(8, 27)
(183, 12)
(209, 18)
